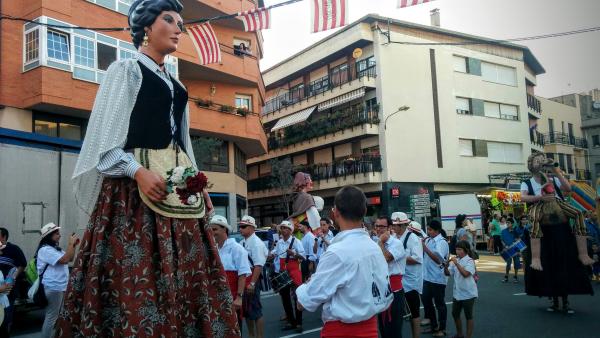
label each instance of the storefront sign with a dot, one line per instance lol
(395, 192)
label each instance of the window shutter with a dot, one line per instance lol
(477, 107)
(474, 66)
(480, 148)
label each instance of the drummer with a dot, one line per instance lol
(235, 261)
(288, 252)
(509, 236)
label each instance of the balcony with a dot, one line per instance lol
(339, 120)
(534, 105)
(328, 174)
(318, 86)
(536, 138)
(583, 175)
(564, 138)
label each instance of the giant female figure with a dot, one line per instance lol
(147, 265)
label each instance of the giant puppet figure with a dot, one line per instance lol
(304, 208)
(147, 264)
(558, 236)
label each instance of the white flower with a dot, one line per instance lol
(177, 175)
(192, 200)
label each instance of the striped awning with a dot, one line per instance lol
(355, 94)
(298, 117)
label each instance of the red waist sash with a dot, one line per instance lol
(293, 268)
(396, 282)
(232, 281)
(337, 329)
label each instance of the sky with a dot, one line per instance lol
(572, 63)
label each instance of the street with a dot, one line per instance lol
(502, 310)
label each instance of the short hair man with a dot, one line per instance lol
(11, 256)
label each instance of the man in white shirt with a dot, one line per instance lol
(234, 259)
(288, 252)
(308, 243)
(324, 238)
(390, 321)
(352, 264)
(408, 233)
(436, 252)
(257, 255)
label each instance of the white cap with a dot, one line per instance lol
(220, 220)
(248, 220)
(287, 224)
(400, 218)
(319, 202)
(49, 228)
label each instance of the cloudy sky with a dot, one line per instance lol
(572, 63)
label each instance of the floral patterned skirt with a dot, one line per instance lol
(141, 274)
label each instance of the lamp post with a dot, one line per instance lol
(403, 108)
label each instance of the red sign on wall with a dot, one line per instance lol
(395, 192)
(374, 200)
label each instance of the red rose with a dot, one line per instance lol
(196, 184)
(183, 195)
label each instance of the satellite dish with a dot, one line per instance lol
(357, 53)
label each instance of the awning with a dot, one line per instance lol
(355, 94)
(298, 117)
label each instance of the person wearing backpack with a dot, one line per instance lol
(11, 256)
(53, 269)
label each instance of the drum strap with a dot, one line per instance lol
(287, 257)
(249, 257)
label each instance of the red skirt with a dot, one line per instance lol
(141, 274)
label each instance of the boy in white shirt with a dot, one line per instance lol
(462, 269)
(436, 251)
(352, 264)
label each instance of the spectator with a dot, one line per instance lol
(591, 224)
(464, 293)
(52, 264)
(11, 256)
(495, 232)
(509, 236)
(435, 250)
(596, 266)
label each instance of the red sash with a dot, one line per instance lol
(293, 268)
(396, 282)
(337, 329)
(232, 280)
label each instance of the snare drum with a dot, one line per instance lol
(513, 250)
(281, 280)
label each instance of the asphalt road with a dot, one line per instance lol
(502, 310)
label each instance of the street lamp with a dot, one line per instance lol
(403, 108)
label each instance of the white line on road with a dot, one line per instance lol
(520, 294)
(319, 329)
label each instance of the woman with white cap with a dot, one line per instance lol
(235, 261)
(52, 264)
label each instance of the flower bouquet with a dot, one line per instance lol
(187, 182)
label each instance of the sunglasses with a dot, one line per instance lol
(244, 226)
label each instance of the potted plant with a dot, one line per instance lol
(227, 109)
(204, 103)
(243, 111)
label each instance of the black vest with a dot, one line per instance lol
(150, 124)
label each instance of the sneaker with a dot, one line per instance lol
(566, 309)
(515, 279)
(553, 307)
(505, 279)
(425, 322)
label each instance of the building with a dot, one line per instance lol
(564, 139)
(401, 121)
(50, 76)
(588, 106)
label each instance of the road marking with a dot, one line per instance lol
(520, 294)
(319, 328)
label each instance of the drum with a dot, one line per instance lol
(281, 280)
(513, 250)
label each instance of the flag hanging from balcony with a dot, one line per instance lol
(407, 3)
(206, 43)
(328, 14)
(256, 19)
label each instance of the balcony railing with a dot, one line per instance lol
(564, 138)
(534, 103)
(339, 120)
(583, 175)
(367, 164)
(318, 86)
(536, 137)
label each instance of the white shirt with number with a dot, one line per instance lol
(235, 258)
(351, 281)
(395, 248)
(413, 275)
(282, 246)
(464, 287)
(257, 250)
(308, 242)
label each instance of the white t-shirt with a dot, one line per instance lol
(308, 242)
(464, 287)
(321, 246)
(351, 281)
(234, 258)
(56, 276)
(537, 188)
(282, 246)
(257, 250)
(396, 249)
(413, 275)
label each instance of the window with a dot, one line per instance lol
(504, 152)
(58, 126)
(85, 52)
(106, 55)
(127, 54)
(596, 140)
(241, 47)
(211, 154)
(491, 109)
(58, 46)
(499, 74)
(465, 147)
(463, 106)
(32, 46)
(570, 164)
(339, 74)
(243, 101)
(501, 111)
(47, 128)
(240, 163)
(460, 64)
(561, 162)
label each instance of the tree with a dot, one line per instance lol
(205, 149)
(281, 172)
